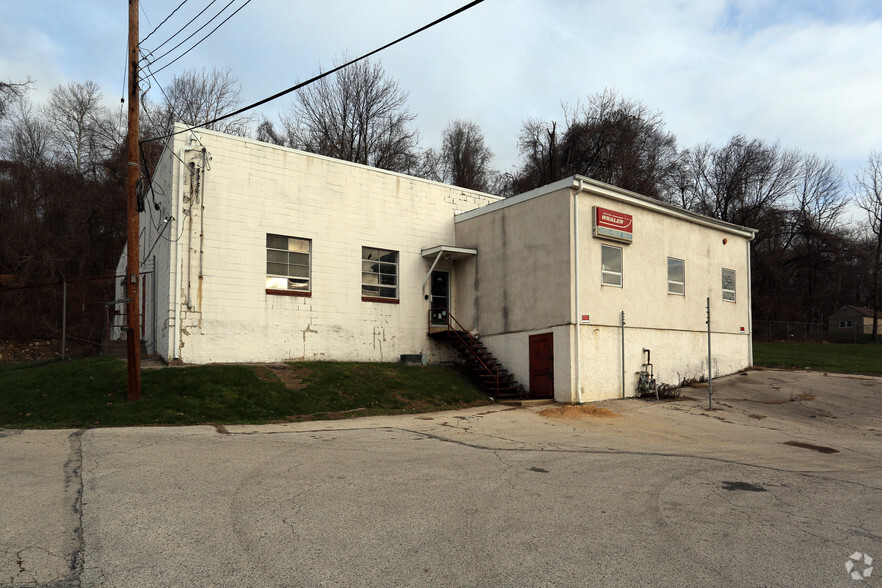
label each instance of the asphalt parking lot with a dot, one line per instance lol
(779, 485)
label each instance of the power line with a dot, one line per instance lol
(322, 75)
(196, 31)
(163, 21)
(180, 30)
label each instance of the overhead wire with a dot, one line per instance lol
(319, 76)
(163, 21)
(203, 38)
(189, 22)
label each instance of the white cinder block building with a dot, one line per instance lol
(264, 253)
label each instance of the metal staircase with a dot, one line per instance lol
(498, 382)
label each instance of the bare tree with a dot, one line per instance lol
(12, 92)
(359, 115)
(465, 158)
(620, 142)
(540, 153)
(611, 139)
(742, 180)
(27, 138)
(198, 96)
(867, 189)
(84, 132)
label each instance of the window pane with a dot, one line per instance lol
(369, 278)
(389, 256)
(728, 279)
(277, 242)
(277, 269)
(387, 292)
(276, 256)
(370, 253)
(728, 284)
(298, 245)
(612, 279)
(388, 268)
(298, 258)
(611, 259)
(300, 271)
(369, 266)
(388, 280)
(371, 291)
(676, 270)
(676, 288)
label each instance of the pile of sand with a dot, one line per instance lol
(577, 411)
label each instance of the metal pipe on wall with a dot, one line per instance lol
(623, 354)
(710, 369)
(578, 317)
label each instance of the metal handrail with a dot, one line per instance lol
(468, 343)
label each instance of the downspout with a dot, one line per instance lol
(576, 303)
(176, 352)
(749, 306)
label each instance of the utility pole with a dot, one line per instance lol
(133, 337)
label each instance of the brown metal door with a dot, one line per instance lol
(542, 365)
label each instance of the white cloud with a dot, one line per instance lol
(802, 73)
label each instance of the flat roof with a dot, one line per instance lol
(583, 184)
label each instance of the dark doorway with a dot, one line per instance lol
(440, 297)
(542, 365)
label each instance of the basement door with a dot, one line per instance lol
(542, 365)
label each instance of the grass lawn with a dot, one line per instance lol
(92, 393)
(828, 357)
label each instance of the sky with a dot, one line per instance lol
(804, 73)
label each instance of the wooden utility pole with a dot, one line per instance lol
(133, 332)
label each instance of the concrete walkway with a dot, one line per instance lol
(779, 485)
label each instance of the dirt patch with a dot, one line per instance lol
(757, 416)
(17, 351)
(577, 411)
(291, 377)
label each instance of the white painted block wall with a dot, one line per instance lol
(251, 189)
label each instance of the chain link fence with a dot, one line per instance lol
(788, 331)
(77, 317)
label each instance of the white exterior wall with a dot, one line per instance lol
(251, 189)
(673, 327)
(513, 351)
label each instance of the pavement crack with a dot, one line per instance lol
(73, 492)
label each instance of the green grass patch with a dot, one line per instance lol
(92, 393)
(828, 357)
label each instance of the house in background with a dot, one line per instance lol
(265, 253)
(852, 319)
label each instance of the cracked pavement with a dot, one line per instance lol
(666, 494)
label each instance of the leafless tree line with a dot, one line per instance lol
(62, 174)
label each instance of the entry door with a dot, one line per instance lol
(440, 296)
(542, 365)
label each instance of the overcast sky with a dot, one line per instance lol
(807, 73)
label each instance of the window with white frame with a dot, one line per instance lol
(287, 264)
(676, 276)
(379, 274)
(845, 324)
(611, 265)
(729, 285)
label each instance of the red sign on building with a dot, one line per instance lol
(609, 224)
